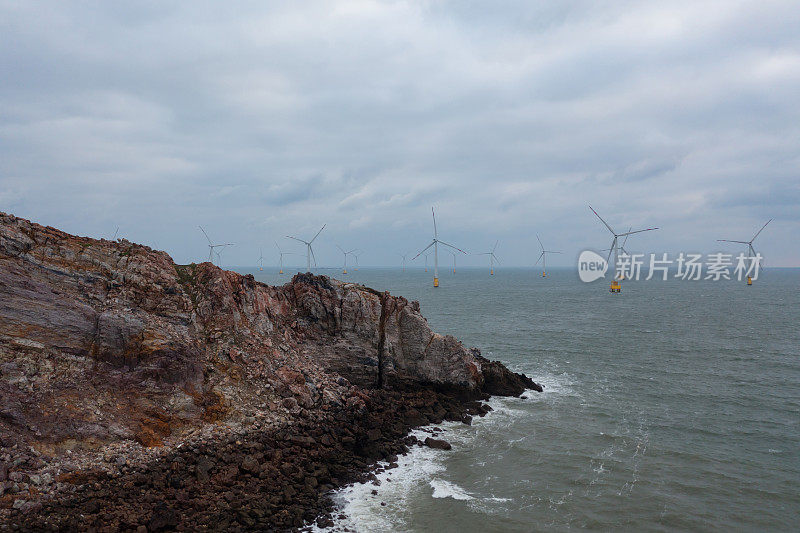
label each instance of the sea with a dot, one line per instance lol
(671, 406)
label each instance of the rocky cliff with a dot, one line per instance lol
(111, 348)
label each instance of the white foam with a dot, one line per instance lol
(445, 489)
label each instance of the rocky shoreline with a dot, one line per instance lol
(270, 479)
(141, 395)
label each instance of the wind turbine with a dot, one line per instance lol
(282, 253)
(261, 259)
(309, 250)
(351, 252)
(614, 249)
(436, 242)
(454, 260)
(543, 255)
(212, 246)
(750, 250)
(492, 258)
(404, 260)
(355, 256)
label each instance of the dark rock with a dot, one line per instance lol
(438, 444)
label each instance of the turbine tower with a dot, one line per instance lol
(356, 256)
(492, 258)
(750, 250)
(212, 246)
(436, 242)
(282, 253)
(543, 255)
(261, 259)
(309, 250)
(614, 249)
(351, 252)
(454, 260)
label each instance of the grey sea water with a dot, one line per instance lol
(674, 406)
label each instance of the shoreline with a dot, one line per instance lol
(272, 478)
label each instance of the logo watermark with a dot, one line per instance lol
(686, 266)
(591, 266)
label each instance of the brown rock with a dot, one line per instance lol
(438, 444)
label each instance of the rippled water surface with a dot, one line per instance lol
(672, 406)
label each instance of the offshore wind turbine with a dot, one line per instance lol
(351, 252)
(309, 250)
(454, 260)
(355, 256)
(492, 258)
(750, 250)
(404, 260)
(261, 259)
(212, 246)
(614, 249)
(435, 243)
(282, 253)
(543, 255)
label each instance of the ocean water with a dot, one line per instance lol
(673, 406)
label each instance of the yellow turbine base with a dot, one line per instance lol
(281, 272)
(615, 286)
(491, 272)
(344, 271)
(749, 280)
(435, 282)
(261, 269)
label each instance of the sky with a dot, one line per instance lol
(259, 120)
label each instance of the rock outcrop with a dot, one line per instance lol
(108, 348)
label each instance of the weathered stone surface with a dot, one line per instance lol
(109, 350)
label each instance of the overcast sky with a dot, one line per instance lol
(260, 120)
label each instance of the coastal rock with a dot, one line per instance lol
(437, 444)
(129, 380)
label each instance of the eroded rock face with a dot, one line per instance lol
(103, 340)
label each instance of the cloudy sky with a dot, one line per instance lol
(262, 119)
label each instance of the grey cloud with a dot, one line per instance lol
(269, 118)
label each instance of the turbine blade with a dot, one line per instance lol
(435, 231)
(278, 247)
(727, 240)
(496, 259)
(626, 236)
(495, 246)
(454, 247)
(637, 231)
(759, 231)
(317, 235)
(540, 258)
(204, 233)
(601, 220)
(540, 242)
(314, 257)
(423, 250)
(295, 238)
(340, 249)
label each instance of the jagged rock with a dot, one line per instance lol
(191, 377)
